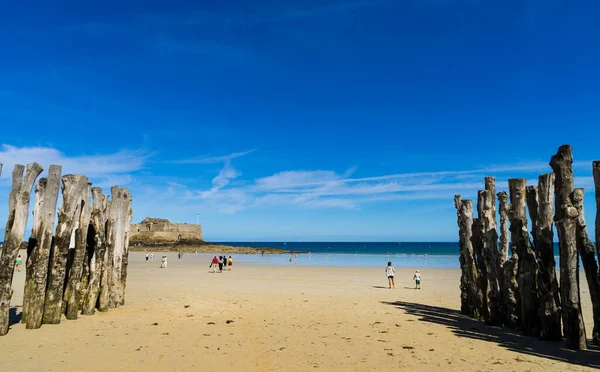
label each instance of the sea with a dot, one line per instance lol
(415, 255)
(438, 255)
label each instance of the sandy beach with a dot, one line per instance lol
(277, 318)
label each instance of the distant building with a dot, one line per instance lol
(162, 228)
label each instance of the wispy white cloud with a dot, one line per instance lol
(329, 189)
(296, 179)
(225, 176)
(213, 159)
(103, 169)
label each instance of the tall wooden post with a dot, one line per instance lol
(475, 295)
(590, 266)
(128, 214)
(477, 240)
(544, 250)
(120, 212)
(510, 292)
(97, 264)
(18, 209)
(566, 220)
(70, 211)
(503, 211)
(596, 172)
(465, 307)
(486, 210)
(38, 249)
(73, 290)
(533, 207)
(107, 268)
(528, 269)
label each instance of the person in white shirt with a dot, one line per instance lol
(390, 271)
(417, 279)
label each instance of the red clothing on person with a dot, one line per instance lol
(215, 261)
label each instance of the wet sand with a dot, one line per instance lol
(259, 318)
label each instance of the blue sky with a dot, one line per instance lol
(301, 120)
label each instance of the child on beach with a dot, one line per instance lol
(18, 263)
(230, 260)
(390, 271)
(417, 279)
(163, 263)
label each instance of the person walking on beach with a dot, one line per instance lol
(417, 279)
(151, 256)
(147, 256)
(18, 263)
(230, 261)
(220, 264)
(163, 262)
(390, 271)
(214, 264)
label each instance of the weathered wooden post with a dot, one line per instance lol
(544, 249)
(70, 211)
(486, 208)
(465, 307)
(503, 211)
(97, 264)
(73, 290)
(38, 249)
(475, 295)
(116, 253)
(528, 269)
(107, 268)
(590, 266)
(510, 288)
(596, 172)
(128, 214)
(502, 257)
(566, 220)
(531, 193)
(477, 240)
(18, 209)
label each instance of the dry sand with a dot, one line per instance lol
(184, 318)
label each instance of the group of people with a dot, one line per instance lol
(390, 273)
(223, 263)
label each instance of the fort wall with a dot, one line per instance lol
(165, 230)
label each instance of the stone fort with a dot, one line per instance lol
(161, 228)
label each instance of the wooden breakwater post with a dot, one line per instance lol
(522, 291)
(38, 248)
(63, 280)
(596, 305)
(566, 226)
(18, 208)
(528, 270)
(544, 250)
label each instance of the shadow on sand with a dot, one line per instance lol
(463, 326)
